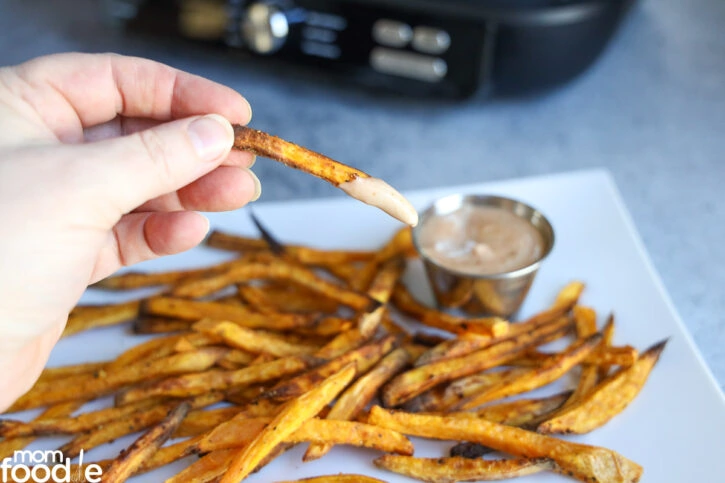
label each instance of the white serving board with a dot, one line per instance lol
(675, 428)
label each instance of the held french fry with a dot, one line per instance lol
(144, 447)
(447, 470)
(295, 413)
(354, 182)
(606, 400)
(583, 462)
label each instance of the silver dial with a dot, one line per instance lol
(264, 28)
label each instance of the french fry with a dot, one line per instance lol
(85, 317)
(207, 469)
(614, 356)
(147, 325)
(137, 421)
(86, 387)
(580, 461)
(55, 373)
(255, 342)
(10, 444)
(215, 379)
(273, 300)
(294, 414)
(607, 341)
(153, 349)
(326, 327)
(200, 421)
(134, 280)
(400, 244)
(535, 378)
(336, 479)
(131, 459)
(342, 343)
(275, 269)
(491, 326)
(585, 320)
(356, 397)
(418, 380)
(520, 412)
(196, 310)
(447, 470)
(381, 289)
(363, 359)
(608, 399)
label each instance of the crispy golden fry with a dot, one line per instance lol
(85, 317)
(147, 325)
(86, 387)
(197, 310)
(275, 270)
(303, 254)
(134, 422)
(443, 398)
(10, 444)
(363, 358)
(327, 327)
(401, 244)
(614, 356)
(292, 416)
(169, 454)
(154, 349)
(583, 462)
(255, 342)
(144, 447)
(606, 400)
(216, 379)
(381, 289)
(53, 374)
(342, 343)
(200, 421)
(492, 326)
(274, 300)
(336, 479)
(448, 470)
(418, 380)
(207, 469)
(235, 359)
(356, 397)
(133, 280)
(607, 341)
(64, 424)
(520, 412)
(462, 345)
(534, 378)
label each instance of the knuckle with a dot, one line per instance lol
(156, 151)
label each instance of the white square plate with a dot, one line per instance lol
(675, 428)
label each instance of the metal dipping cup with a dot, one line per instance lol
(498, 294)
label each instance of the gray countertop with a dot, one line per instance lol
(651, 111)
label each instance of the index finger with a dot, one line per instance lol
(74, 91)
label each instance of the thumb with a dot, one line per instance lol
(133, 169)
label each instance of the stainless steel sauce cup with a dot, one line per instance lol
(499, 294)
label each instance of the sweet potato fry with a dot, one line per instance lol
(273, 300)
(196, 310)
(85, 317)
(415, 381)
(363, 358)
(207, 469)
(342, 343)
(520, 412)
(10, 444)
(144, 447)
(294, 414)
(275, 270)
(86, 387)
(491, 326)
(447, 470)
(137, 421)
(149, 324)
(200, 421)
(215, 379)
(356, 397)
(608, 399)
(252, 341)
(381, 289)
(336, 479)
(53, 374)
(156, 348)
(583, 462)
(534, 378)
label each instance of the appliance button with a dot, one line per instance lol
(408, 64)
(431, 40)
(392, 33)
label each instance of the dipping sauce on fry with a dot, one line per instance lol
(378, 193)
(481, 240)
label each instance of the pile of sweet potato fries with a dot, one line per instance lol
(327, 347)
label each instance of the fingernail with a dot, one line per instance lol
(257, 185)
(212, 136)
(254, 160)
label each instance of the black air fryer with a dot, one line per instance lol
(421, 47)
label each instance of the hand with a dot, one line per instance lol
(103, 160)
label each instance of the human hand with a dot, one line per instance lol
(103, 160)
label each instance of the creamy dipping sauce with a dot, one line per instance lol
(481, 240)
(378, 193)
